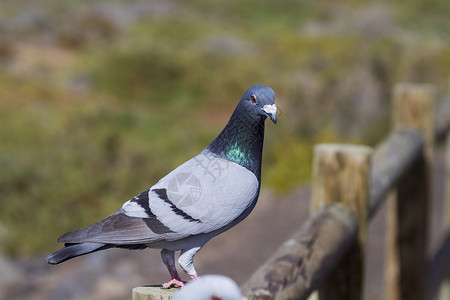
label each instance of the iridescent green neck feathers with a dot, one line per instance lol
(241, 141)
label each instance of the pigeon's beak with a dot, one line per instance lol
(271, 111)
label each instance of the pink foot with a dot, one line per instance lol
(173, 283)
(194, 277)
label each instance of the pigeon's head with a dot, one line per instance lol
(259, 100)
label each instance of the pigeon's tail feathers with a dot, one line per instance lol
(74, 250)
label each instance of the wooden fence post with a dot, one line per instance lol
(446, 216)
(152, 293)
(341, 174)
(444, 289)
(413, 108)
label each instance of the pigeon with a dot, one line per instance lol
(203, 197)
(210, 287)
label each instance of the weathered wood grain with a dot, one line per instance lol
(413, 108)
(303, 261)
(407, 238)
(152, 293)
(341, 175)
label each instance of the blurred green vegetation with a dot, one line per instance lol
(156, 91)
(67, 164)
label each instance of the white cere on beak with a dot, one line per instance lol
(270, 109)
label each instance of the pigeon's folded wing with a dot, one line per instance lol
(202, 195)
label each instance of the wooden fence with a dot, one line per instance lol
(349, 185)
(324, 259)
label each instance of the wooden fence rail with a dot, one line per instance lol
(390, 160)
(303, 261)
(400, 162)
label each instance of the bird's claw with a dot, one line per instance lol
(173, 283)
(195, 276)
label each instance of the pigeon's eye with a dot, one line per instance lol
(253, 99)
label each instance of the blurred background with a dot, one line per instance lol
(100, 99)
